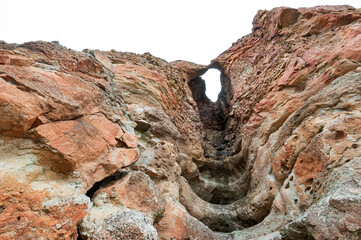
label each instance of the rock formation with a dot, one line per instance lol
(113, 145)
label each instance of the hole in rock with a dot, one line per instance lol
(339, 134)
(354, 145)
(212, 114)
(212, 93)
(223, 177)
(90, 193)
(78, 232)
(212, 79)
(9, 79)
(309, 182)
(120, 144)
(320, 129)
(115, 176)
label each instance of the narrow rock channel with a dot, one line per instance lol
(116, 145)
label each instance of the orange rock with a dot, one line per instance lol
(310, 164)
(19, 108)
(27, 214)
(136, 191)
(278, 156)
(85, 144)
(130, 140)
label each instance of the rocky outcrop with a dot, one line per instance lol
(62, 131)
(112, 145)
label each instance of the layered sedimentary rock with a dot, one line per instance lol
(112, 145)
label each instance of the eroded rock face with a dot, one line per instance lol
(63, 129)
(111, 145)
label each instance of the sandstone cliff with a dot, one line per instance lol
(112, 145)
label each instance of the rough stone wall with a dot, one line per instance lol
(111, 145)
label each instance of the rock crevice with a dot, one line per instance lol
(113, 145)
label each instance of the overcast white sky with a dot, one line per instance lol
(193, 30)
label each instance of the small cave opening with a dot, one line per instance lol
(212, 80)
(210, 110)
(102, 183)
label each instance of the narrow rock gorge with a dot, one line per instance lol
(115, 145)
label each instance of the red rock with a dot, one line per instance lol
(25, 213)
(277, 156)
(310, 163)
(136, 191)
(130, 205)
(101, 57)
(130, 140)
(85, 144)
(191, 70)
(18, 114)
(43, 98)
